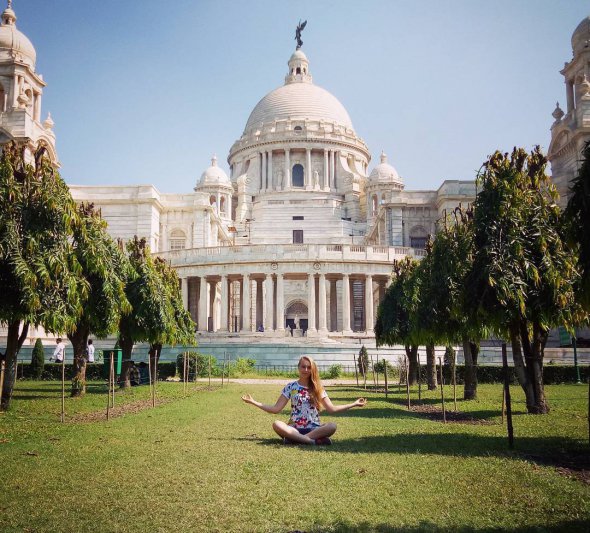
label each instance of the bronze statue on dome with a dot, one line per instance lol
(298, 33)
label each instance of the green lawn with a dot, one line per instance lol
(208, 462)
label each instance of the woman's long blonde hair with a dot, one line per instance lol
(315, 383)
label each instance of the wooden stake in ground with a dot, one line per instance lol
(196, 367)
(16, 370)
(2, 370)
(223, 368)
(63, 387)
(377, 373)
(373, 369)
(385, 377)
(109, 388)
(209, 372)
(419, 381)
(407, 382)
(113, 379)
(507, 396)
(150, 377)
(356, 374)
(455, 383)
(154, 382)
(442, 392)
(185, 371)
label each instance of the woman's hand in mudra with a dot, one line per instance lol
(248, 398)
(361, 402)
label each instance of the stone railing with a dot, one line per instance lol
(294, 252)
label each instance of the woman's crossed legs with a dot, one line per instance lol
(291, 433)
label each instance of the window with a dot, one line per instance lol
(297, 236)
(418, 237)
(177, 240)
(297, 130)
(298, 218)
(297, 175)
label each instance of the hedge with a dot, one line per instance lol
(94, 371)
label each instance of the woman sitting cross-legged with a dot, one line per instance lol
(307, 397)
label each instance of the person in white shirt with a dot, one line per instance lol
(90, 351)
(60, 350)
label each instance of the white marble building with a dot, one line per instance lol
(297, 242)
(571, 129)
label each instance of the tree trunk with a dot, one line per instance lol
(127, 347)
(412, 353)
(470, 353)
(520, 368)
(79, 340)
(154, 354)
(12, 339)
(431, 367)
(536, 362)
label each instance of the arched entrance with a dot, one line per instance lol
(296, 310)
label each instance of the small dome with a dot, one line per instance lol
(298, 55)
(384, 172)
(15, 45)
(581, 36)
(214, 176)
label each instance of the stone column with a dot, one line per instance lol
(323, 325)
(223, 326)
(246, 306)
(280, 303)
(259, 304)
(369, 320)
(212, 306)
(346, 304)
(287, 177)
(326, 178)
(332, 183)
(264, 176)
(271, 184)
(308, 170)
(333, 306)
(218, 204)
(269, 323)
(202, 319)
(311, 327)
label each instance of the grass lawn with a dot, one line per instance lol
(208, 462)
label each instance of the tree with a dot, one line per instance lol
(393, 325)
(37, 360)
(577, 215)
(451, 306)
(105, 268)
(363, 361)
(39, 274)
(157, 314)
(524, 274)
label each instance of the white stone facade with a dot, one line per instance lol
(298, 241)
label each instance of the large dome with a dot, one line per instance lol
(298, 99)
(581, 36)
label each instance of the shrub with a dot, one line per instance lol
(37, 360)
(449, 357)
(335, 371)
(381, 365)
(198, 361)
(363, 361)
(243, 365)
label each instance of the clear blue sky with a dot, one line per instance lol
(144, 91)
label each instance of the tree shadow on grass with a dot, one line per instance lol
(427, 526)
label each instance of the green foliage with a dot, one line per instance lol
(198, 361)
(37, 360)
(382, 365)
(334, 372)
(363, 361)
(450, 356)
(244, 365)
(577, 215)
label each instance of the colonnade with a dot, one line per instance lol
(283, 179)
(256, 302)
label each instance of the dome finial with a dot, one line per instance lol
(214, 160)
(383, 157)
(298, 31)
(8, 15)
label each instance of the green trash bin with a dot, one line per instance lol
(117, 353)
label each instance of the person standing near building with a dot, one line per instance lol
(59, 352)
(90, 351)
